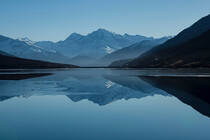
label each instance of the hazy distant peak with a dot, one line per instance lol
(127, 35)
(101, 31)
(167, 37)
(101, 34)
(74, 36)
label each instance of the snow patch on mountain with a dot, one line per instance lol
(27, 40)
(109, 49)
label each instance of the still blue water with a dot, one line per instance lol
(99, 104)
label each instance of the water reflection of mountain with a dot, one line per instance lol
(3, 98)
(79, 85)
(134, 83)
(103, 91)
(193, 91)
(106, 86)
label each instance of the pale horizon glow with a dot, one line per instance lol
(54, 20)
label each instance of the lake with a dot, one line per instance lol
(104, 104)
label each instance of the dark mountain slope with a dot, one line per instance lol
(194, 53)
(193, 31)
(190, 48)
(10, 62)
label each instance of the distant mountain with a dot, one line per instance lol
(96, 44)
(49, 45)
(25, 48)
(10, 62)
(190, 48)
(119, 63)
(84, 61)
(132, 51)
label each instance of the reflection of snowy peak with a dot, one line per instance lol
(100, 91)
(109, 84)
(82, 84)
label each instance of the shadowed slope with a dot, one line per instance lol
(9, 62)
(190, 48)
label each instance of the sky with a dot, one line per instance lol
(55, 20)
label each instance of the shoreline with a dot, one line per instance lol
(160, 72)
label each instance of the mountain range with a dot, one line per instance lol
(89, 50)
(190, 48)
(95, 44)
(25, 48)
(103, 48)
(83, 50)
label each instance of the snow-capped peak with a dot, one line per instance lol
(74, 36)
(27, 40)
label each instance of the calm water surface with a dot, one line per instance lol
(103, 104)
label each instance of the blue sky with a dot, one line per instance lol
(55, 19)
